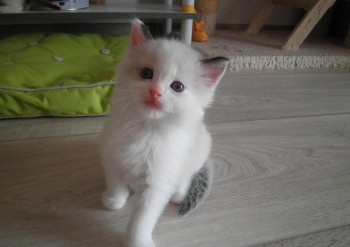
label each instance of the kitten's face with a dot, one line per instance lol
(165, 78)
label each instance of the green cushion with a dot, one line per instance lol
(58, 74)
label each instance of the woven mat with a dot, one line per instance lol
(263, 52)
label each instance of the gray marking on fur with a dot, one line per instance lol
(200, 184)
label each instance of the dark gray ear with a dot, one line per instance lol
(220, 60)
(214, 68)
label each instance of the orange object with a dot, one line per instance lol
(188, 9)
(198, 32)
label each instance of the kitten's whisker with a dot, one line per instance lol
(123, 98)
(172, 114)
(124, 90)
(136, 90)
(119, 100)
(122, 110)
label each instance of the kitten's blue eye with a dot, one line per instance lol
(177, 86)
(147, 73)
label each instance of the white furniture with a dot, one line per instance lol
(107, 13)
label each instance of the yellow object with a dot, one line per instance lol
(188, 9)
(198, 32)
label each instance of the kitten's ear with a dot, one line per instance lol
(139, 33)
(214, 69)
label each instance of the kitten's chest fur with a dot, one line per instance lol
(142, 146)
(152, 150)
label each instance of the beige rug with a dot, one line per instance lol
(263, 52)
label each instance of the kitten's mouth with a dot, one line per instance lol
(153, 104)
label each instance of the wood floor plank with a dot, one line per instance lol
(50, 192)
(255, 97)
(31, 128)
(275, 179)
(337, 237)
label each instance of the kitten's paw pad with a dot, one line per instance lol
(112, 203)
(177, 198)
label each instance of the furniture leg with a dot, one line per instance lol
(260, 18)
(308, 22)
(347, 39)
(186, 31)
(168, 21)
(186, 25)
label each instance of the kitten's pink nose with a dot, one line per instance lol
(154, 93)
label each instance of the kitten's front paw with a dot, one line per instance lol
(139, 243)
(112, 203)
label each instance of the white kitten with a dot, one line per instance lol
(11, 6)
(155, 142)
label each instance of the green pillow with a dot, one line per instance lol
(58, 74)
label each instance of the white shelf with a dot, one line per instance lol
(110, 12)
(105, 13)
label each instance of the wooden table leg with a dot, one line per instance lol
(347, 39)
(260, 18)
(308, 22)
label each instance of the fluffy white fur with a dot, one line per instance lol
(11, 6)
(155, 152)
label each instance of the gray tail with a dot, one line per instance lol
(199, 188)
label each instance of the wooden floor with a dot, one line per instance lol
(282, 155)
